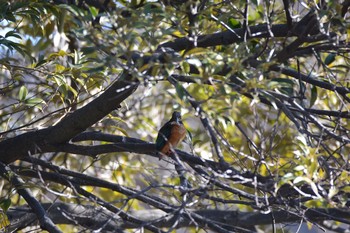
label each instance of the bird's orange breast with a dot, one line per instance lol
(178, 133)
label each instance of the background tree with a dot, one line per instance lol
(262, 87)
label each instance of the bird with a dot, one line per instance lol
(170, 135)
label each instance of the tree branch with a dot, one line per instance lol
(236, 36)
(126, 144)
(311, 80)
(45, 222)
(229, 37)
(45, 140)
(92, 216)
(67, 177)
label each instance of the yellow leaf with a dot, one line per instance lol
(62, 53)
(177, 34)
(123, 131)
(197, 51)
(4, 221)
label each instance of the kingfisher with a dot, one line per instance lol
(170, 135)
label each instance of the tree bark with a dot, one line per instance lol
(94, 217)
(46, 140)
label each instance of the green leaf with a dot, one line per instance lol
(72, 90)
(150, 8)
(282, 84)
(329, 59)
(233, 23)
(181, 92)
(88, 50)
(13, 34)
(5, 204)
(40, 63)
(93, 11)
(62, 53)
(49, 28)
(4, 221)
(96, 69)
(123, 131)
(196, 51)
(313, 96)
(185, 67)
(34, 102)
(23, 92)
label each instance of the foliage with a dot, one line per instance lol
(262, 87)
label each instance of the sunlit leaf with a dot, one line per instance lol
(299, 168)
(233, 23)
(196, 51)
(23, 92)
(34, 102)
(72, 90)
(121, 130)
(4, 221)
(93, 11)
(13, 34)
(62, 53)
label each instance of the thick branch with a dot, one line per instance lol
(69, 178)
(127, 144)
(40, 213)
(229, 37)
(92, 217)
(44, 140)
(236, 36)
